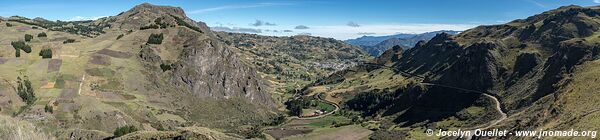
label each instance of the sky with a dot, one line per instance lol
(339, 19)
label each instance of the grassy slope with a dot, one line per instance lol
(360, 80)
(579, 100)
(120, 97)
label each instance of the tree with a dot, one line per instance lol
(43, 34)
(46, 53)
(8, 25)
(17, 52)
(120, 131)
(28, 37)
(155, 38)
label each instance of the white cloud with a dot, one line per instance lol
(237, 30)
(343, 31)
(81, 18)
(596, 1)
(229, 7)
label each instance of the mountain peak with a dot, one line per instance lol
(149, 16)
(150, 8)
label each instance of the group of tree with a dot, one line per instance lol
(20, 45)
(46, 53)
(181, 22)
(155, 38)
(25, 91)
(252, 132)
(371, 102)
(295, 106)
(120, 131)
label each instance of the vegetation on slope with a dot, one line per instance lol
(290, 63)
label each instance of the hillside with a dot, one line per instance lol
(154, 69)
(151, 67)
(290, 63)
(532, 69)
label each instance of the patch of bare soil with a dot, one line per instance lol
(100, 60)
(279, 133)
(54, 65)
(3, 60)
(116, 54)
(67, 95)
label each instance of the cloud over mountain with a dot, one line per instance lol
(236, 30)
(301, 27)
(262, 23)
(353, 24)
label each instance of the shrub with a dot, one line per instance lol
(28, 37)
(155, 39)
(68, 41)
(252, 132)
(120, 36)
(48, 108)
(46, 53)
(43, 34)
(120, 131)
(8, 25)
(165, 67)
(151, 26)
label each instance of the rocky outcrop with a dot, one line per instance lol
(477, 68)
(428, 58)
(390, 56)
(207, 69)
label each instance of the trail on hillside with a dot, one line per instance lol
(498, 106)
(81, 84)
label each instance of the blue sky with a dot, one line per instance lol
(340, 19)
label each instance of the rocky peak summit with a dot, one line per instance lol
(148, 16)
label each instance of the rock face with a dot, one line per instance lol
(208, 69)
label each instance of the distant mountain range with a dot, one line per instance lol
(376, 45)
